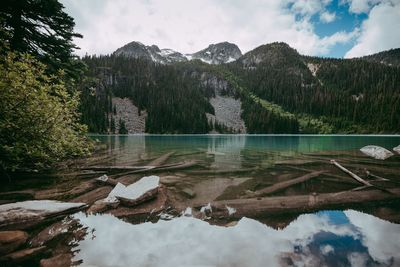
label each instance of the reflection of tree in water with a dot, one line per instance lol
(226, 151)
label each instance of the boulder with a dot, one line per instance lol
(397, 149)
(376, 152)
(11, 240)
(136, 193)
(26, 214)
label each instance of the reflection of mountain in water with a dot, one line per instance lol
(329, 238)
(226, 151)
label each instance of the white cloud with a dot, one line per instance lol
(327, 17)
(361, 6)
(308, 7)
(380, 31)
(189, 25)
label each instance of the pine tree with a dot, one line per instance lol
(42, 29)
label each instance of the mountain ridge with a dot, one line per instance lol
(219, 53)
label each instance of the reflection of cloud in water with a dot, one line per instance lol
(380, 237)
(186, 241)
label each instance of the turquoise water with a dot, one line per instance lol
(298, 143)
(325, 238)
(237, 149)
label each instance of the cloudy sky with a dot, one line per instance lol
(332, 28)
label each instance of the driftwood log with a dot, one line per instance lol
(353, 175)
(161, 160)
(282, 185)
(261, 207)
(169, 167)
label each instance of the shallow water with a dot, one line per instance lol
(326, 238)
(235, 150)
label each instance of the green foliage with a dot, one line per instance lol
(38, 117)
(174, 102)
(94, 105)
(41, 28)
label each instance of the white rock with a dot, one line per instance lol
(27, 213)
(230, 210)
(133, 191)
(397, 149)
(376, 152)
(102, 178)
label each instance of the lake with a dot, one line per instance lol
(226, 200)
(228, 167)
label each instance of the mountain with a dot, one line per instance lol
(275, 54)
(153, 53)
(214, 54)
(390, 57)
(218, 53)
(271, 89)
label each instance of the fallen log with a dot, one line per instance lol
(353, 175)
(201, 172)
(115, 168)
(159, 161)
(358, 178)
(267, 206)
(282, 185)
(170, 167)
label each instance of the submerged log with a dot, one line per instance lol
(353, 175)
(358, 178)
(115, 168)
(259, 207)
(201, 172)
(282, 185)
(169, 167)
(161, 160)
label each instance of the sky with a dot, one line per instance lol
(327, 28)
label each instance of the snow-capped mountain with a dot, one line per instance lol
(218, 53)
(214, 54)
(139, 50)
